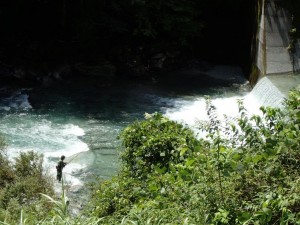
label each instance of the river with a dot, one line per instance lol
(83, 122)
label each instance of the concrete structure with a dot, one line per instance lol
(273, 56)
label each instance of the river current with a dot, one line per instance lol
(83, 123)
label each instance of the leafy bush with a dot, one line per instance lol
(256, 183)
(155, 176)
(155, 142)
(243, 172)
(21, 183)
(6, 172)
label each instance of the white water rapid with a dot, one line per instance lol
(83, 125)
(265, 93)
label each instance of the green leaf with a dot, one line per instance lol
(236, 156)
(183, 151)
(160, 170)
(257, 158)
(222, 149)
(189, 162)
(267, 210)
(298, 114)
(172, 168)
(226, 173)
(153, 187)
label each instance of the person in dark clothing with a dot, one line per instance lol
(61, 164)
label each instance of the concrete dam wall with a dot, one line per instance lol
(273, 55)
(279, 68)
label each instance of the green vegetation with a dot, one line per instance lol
(27, 195)
(245, 171)
(21, 182)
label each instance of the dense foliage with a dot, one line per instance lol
(21, 182)
(243, 172)
(155, 143)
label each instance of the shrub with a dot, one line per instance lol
(243, 172)
(21, 183)
(154, 142)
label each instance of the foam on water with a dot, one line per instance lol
(189, 112)
(71, 129)
(192, 111)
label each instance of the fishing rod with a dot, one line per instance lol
(73, 157)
